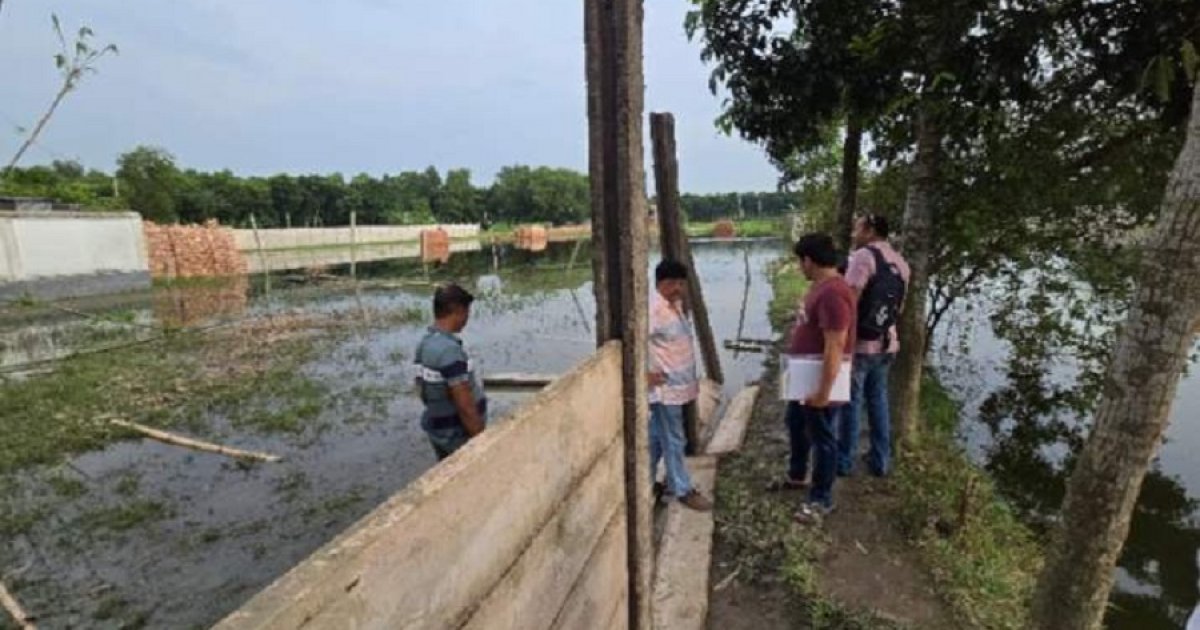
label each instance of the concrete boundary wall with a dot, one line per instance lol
(42, 245)
(524, 527)
(293, 238)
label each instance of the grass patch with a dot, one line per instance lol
(125, 517)
(14, 523)
(66, 487)
(172, 383)
(983, 559)
(746, 228)
(789, 286)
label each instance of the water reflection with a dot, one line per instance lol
(1033, 408)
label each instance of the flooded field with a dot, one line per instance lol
(1022, 414)
(99, 528)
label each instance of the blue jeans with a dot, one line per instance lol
(812, 429)
(869, 385)
(667, 442)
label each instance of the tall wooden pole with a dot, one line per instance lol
(674, 245)
(673, 237)
(613, 33)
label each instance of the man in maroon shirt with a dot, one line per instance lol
(824, 329)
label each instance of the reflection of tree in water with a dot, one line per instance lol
(1037, 421)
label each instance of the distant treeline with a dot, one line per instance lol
(148, 181)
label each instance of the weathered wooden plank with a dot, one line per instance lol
(602, 590)
(681, 581)
(430, 554)
(534, 589)
(731, 430)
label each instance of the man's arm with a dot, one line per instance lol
(464, 403)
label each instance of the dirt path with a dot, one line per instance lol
(857, 571)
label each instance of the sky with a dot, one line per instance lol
(298, 86)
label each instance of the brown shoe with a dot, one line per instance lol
(696, 501)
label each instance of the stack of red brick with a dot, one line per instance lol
(435, 245)
(531, 237)
(190, 251)
(724, 229)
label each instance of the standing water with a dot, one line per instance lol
(1021, 418)
(135, 533)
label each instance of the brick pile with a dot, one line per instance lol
(724, 229)
(192, 251)
(531, 237)
(435, 245)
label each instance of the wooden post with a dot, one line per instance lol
(262, 258)
(613, 30)
(673, 237)
(353, 244)
(673, 243)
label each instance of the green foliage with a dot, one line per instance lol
(789, 287)
(718, 206)
(554, 195)
(125, 516)
(149, 178)
(750, 228)
(983, 559)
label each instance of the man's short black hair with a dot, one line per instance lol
(878, 223)
(670, 269)
(448, 297)
(817, 248)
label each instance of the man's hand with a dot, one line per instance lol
(819, 400)
(654, 379)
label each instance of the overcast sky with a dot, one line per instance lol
(267, 86)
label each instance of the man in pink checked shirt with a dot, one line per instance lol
(672, 379)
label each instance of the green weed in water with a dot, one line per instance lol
(65, 486)
(125, 516)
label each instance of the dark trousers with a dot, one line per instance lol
(813, 430)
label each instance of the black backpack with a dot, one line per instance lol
(879, 304)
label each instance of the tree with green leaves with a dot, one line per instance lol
(921, 74)
(796, 70)
(458, 201)
(149, 182)
(74, 62)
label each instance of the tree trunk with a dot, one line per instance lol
(41, 124)
(916, 244)
(848, 195)
(1151, 353)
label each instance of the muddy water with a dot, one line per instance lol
(1015, 428)
(151, 535)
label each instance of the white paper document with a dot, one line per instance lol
(801, 376)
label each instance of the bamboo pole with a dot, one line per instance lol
(198, 445)
(24, 620)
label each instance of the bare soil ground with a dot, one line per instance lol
(856, 571)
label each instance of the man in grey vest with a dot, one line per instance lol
(455, 405)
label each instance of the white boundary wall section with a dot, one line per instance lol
(292, 238)
(36, 245)
(522, 528)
